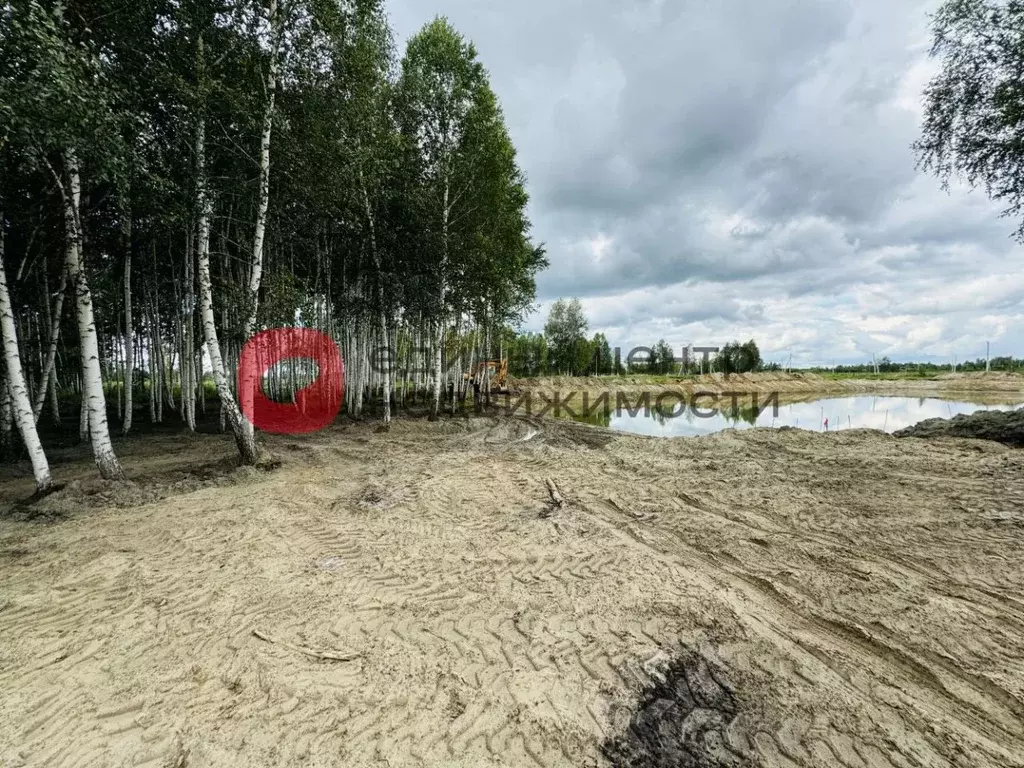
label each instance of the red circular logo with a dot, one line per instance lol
(316, 405)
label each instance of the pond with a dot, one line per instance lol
(885, 413)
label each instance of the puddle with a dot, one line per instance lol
(705, 417)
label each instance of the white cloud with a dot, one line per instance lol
(704, 172)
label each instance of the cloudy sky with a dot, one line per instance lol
(704, 170)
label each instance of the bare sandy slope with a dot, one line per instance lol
(844, 599)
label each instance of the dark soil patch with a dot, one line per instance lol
(1005, 427)
(93, 493)
(681, 722)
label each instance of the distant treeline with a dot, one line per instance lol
(885, 365)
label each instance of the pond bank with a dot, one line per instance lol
(783, 383)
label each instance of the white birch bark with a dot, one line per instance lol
(48, 375)
(435, 406)
(151, 365)
(54, 401)
(381, 314)
(6, 418)
(187, 355)
(242, 429)
(256, 274)
(83, 416)
(15, 382)
(129, 332)
(92, 376)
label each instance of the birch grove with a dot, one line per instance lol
(149, 235)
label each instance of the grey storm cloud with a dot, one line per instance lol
(702, 171)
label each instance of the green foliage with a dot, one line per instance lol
(396, 199)
(528, 355)
(663, 360)
(566, 331)
(738, 358)
(603, 362)
(55, 92)
(974, 107)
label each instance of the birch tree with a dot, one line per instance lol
(15, 381)
(241, 428)
(440, 79)
(92, 375)
(394, 219)
(276, 23)
(974, 105)
(54, 88)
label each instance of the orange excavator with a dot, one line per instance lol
(495, 370)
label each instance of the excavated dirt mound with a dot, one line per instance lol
(1005, 427)
(511, 592)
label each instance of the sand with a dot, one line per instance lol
(420, 597)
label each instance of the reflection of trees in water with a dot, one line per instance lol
(747, 414)
(710, 414)
(666, 412)
(598, 417)
(670, 410)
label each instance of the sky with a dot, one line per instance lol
(709, 170)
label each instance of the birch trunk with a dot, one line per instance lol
(83, 417)
(116, 371)
(160, 374)
(359, 379)
(92, 376)
(256, 274)
(435, 406)
(129, 333)
(6, 419)
(188, 374)
(15, 382)
(487, 358)
(54, 400)
(381, 315)
(48, 374)
(242, 429)
(151, 365)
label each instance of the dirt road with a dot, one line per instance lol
(422, 598)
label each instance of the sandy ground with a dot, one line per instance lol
(419, 598)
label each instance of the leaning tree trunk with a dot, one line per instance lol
(92, 375)
(16, 384)
(242, 429)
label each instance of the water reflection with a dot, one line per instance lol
(889, 414)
